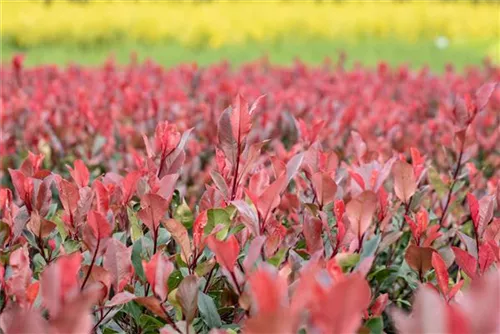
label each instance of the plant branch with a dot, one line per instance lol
(455, 175)
(91, 265)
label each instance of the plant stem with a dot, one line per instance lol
(91, 265)
(235, 177)
(207, 285)
(233, 276)
(101, 320)
(455, 175)
(169, 319)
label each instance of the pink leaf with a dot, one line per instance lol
(254, 251)
(181, 237)
(153, 208)
(405, 183)
(483, 95)
(187, 296)
(117, 261)
(324, 187)
(60, 280)
(360, 211)
(121, 298)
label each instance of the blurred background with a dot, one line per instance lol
(416, 33)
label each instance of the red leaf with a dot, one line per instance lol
(486, 208)
(75, 317)
(241, 121)
(483, 95)
(379, 305)
(312, 229)
(69, 196)
(80, 174)
(324, 187)
(227, 141)
(405, 183)
(117, 261)
(415, 231)
(486, 257)
(18, 179)
(187, 296)
(360, 211)
(102, 196)
(226, 252)
(465, 261)
(152, 304)
(455, 289)
(474, 208)
(129, 184)
(100, 226)
(419, 258)
(181, 237)
(441, 273)
(59, 280)
(339, 209)
(358, 178)
(198, 229)
(330, 316)
(157, 271)
(269, 290)
(153, 208)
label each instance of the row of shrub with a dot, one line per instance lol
(144, 200)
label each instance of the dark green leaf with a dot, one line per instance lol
(376, 325)
(208, 311)
(137, 259)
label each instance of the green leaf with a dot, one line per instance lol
(376, 325)
(436, 182)
(4, 233)
(208, 311)
(369, 248)
(174, 280)
(347, 261)
(108, 330)
(278, 258)
(133, 309)
(137, 259)
(149, 323)
(216, 217)
(71, 246)
(184, 215)
(135, 227)
(60, 225)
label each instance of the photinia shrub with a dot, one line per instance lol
(146, 200)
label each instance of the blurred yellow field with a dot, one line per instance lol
(216, 24)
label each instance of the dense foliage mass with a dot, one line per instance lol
(142, 199)
(214, 23)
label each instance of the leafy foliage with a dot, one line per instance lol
(164, 212)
